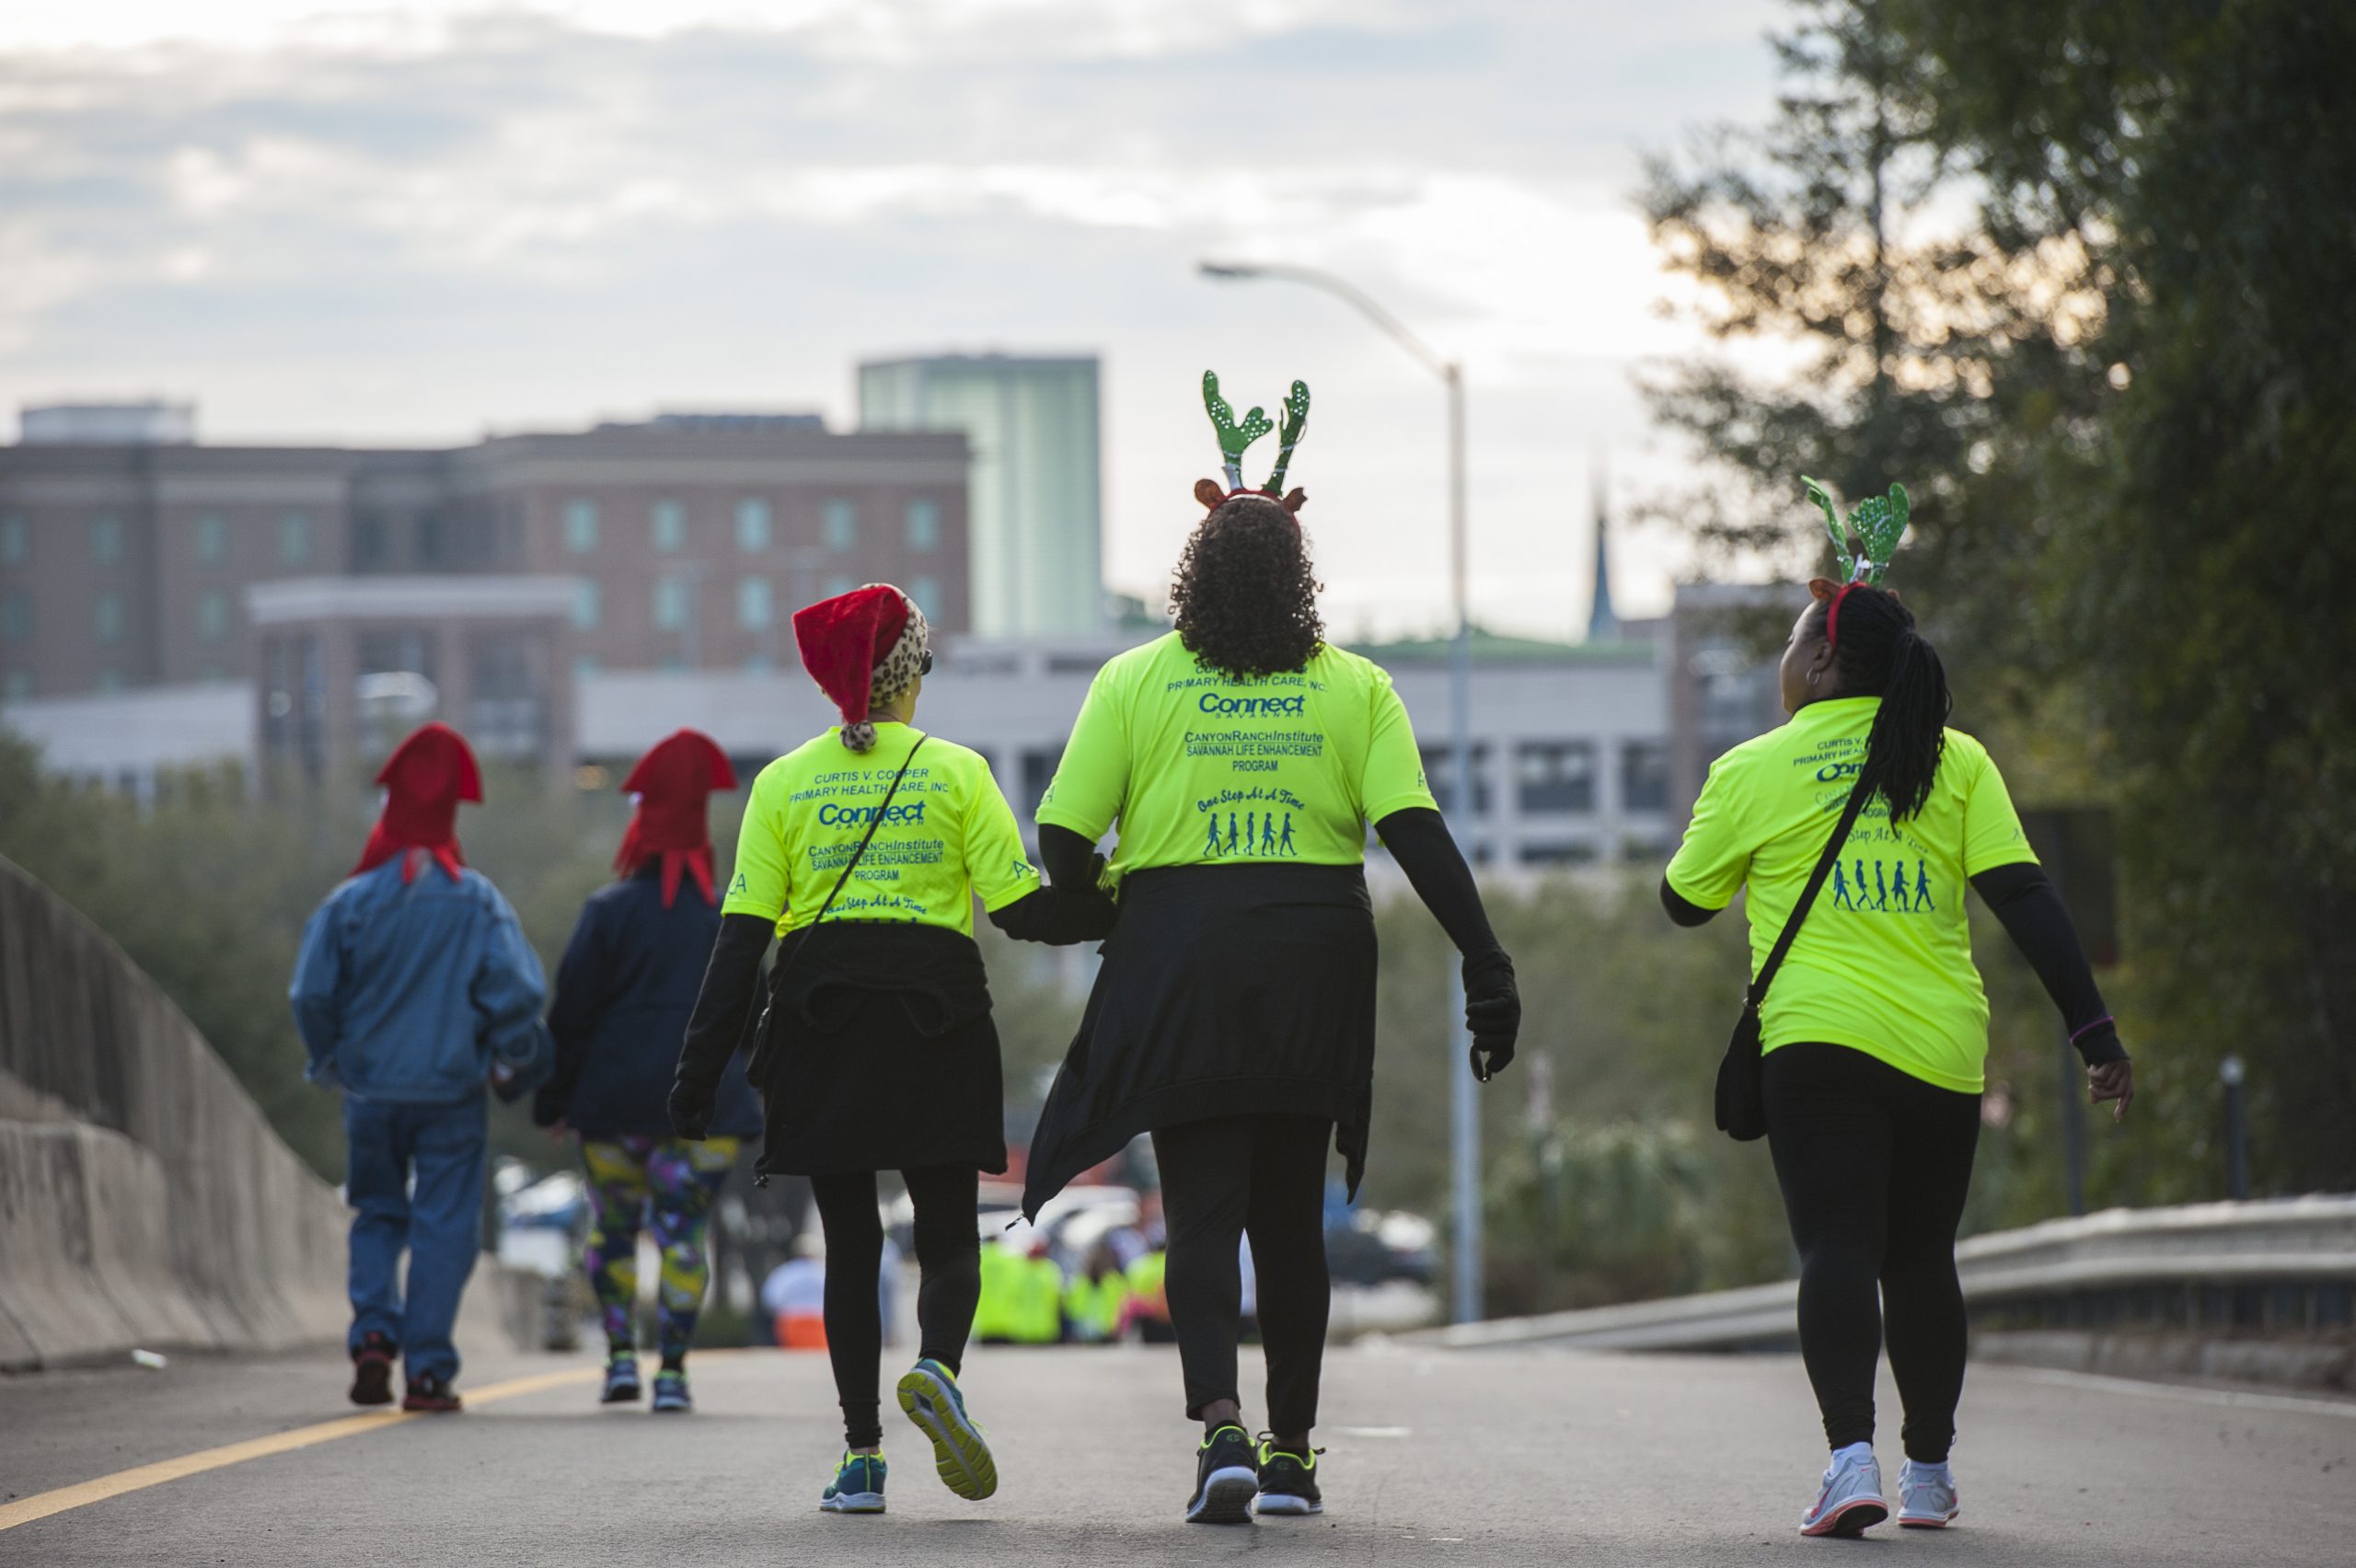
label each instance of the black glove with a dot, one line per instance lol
(691, 1111)
(1492, 1011)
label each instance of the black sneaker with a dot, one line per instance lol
(371, 1370)
(1288, 1481)
(431, 1394)
(1225, 1479)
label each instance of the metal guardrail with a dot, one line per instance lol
(2160, 1265)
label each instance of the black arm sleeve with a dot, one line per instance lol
(2024, 899)
(572, 1012)
(732, 982)
(1057, 916)
(1069, 859)
(1418, 839)
(1682, 910)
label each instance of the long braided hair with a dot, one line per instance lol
(1879, 653)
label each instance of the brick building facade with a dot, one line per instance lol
(688, 544)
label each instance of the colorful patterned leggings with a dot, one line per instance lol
(670, 1183)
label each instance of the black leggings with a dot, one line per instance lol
(1222, 1179)
(948, 1263)
(1874, 1164)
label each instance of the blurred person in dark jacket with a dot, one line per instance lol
(414, 990)
(624, 991)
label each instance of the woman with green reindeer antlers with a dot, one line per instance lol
(1241, 758)
(1864, 1068)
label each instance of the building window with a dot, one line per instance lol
(1572, 853)
(110, 680)
(753, 528)
(925, 592)
(295, 538)
(1556, 777)
(584, 665)
(1439, 772)
(106, 538)
(212, 538)
(212, 615)
(752, 607)
(15, 616)
(372, 542)
(924, 525)
(670, 604)
(838, 584)
(107, 617)
(580, 526)
(588, 604)
(1643, 777)
(16, 539)
(841, 523)
(668, 523)
(20, 684)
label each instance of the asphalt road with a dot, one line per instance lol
(1475, 1458)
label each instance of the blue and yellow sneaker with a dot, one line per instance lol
(858, 1486)
(621, 1378)
(930, 1395)
(1288, 1481)
(671, 1396)
(1225, 1479)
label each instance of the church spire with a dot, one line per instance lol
(1602, 624)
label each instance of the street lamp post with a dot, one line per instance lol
(1464, 1121)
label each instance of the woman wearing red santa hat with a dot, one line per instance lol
(624, 992)
(875, 1049)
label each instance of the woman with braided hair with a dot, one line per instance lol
(1875, 1029)
(1242, 757)
(864, 851)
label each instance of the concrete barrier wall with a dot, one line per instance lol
(143, 1198)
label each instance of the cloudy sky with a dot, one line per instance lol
(419, 222)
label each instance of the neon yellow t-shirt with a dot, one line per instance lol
(1200, 770)
(1883, 961)
(947, 835)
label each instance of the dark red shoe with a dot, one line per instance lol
(372, 1371)
(431, 1394)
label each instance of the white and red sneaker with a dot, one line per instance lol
(1926, 1496)
(1850, 1499)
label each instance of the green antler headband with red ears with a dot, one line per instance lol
(1864, 546)
(1233, 437)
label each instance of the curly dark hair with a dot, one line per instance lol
(1244, 597)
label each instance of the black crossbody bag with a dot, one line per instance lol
(756, 1067)
(1741, 1093)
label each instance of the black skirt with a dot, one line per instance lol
(878, 1053)
(1225, 989)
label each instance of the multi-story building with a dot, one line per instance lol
(1037, 481)
(683, 544)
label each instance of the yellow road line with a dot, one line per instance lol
(42, 1505)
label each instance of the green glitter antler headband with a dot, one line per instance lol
(1877, 525)
(1234, 436)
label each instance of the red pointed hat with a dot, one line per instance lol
(673, 783)
(424, 780)
(856, 641)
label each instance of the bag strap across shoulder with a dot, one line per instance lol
(1824, 864)
(874, 822)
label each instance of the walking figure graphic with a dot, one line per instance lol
(1898, 887)
(1231, 832)
(1881, 888)
(1211, 848)
(1285, 844)
(1841, 899)
(1268, 834)
(1922, 886)
(1249, 833)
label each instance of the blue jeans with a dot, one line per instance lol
(414, 1176)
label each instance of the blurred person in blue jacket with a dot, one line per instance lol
(414, 989)
(625, 989)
